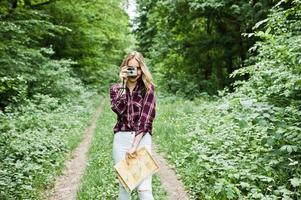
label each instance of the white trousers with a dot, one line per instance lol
(121, 144)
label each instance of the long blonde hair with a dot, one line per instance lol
(146, 75)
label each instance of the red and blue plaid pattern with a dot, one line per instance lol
(135, 112)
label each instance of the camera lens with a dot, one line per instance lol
(132, 71)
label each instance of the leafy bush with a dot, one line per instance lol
(100, 34)
(222, 149)
(26, 66)
(194, 45)
(12, 90)
(34, 141)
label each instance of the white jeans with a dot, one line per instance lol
(121, 144)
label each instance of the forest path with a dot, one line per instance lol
(66, 185)
(169, 179)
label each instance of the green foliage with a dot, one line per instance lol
(195, 44)
(98, 40)
(275, 74)
(55, 48)
(26, 66)
(12, 90)
(35, 139)
(223, 148)
(245, 144)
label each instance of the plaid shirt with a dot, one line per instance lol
(134, 112)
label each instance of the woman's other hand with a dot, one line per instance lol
(131, 153)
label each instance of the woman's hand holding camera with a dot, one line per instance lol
(124, 73)
(124, 76)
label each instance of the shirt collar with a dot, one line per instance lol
(137, 86)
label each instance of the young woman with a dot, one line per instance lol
(135, 105)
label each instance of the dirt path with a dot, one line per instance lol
(169, 179)
(67, 184)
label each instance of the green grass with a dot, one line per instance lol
(100, 180)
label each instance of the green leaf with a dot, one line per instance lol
(295, 182)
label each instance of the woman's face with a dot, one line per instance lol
(134, 63)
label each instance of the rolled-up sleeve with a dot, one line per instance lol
(148, 112)
(118, 102)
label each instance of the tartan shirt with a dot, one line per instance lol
(135, 112)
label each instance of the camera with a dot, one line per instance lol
(132, 71)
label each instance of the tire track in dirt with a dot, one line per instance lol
(66, 185)
(169, 179)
